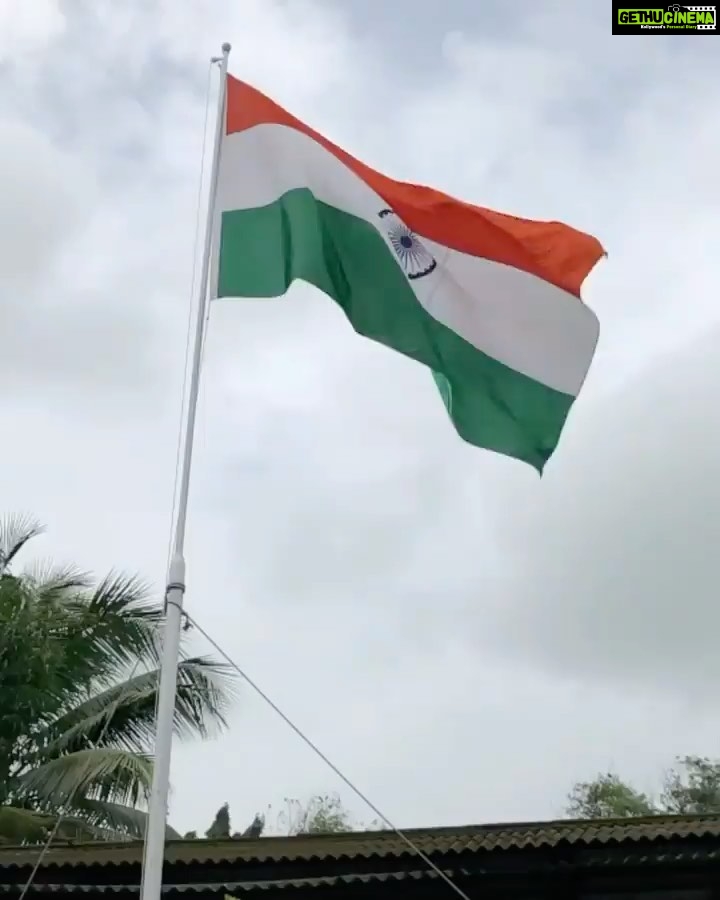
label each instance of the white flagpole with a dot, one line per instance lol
(157, 813)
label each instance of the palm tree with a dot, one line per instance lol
(78, 686)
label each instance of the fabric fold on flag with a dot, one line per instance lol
(488, 301)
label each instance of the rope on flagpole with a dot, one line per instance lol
(189, 330)
(411, 845)
(188, 350)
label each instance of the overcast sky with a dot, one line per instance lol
(463, 638)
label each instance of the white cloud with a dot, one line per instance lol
(26, 29)
(408, 599)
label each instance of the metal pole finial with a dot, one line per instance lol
(226, 48)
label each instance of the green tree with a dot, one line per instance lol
(221, 828)
(607, 797)
(78, 685)
(690, 787)
(321, 814)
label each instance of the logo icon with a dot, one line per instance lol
(674, 18)
(415, 260)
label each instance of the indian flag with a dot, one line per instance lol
(489, 302)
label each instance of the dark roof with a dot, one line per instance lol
(455, 839)
(273, 863)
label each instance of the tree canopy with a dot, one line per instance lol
(78, 685)
(690, 787)
(321, 814)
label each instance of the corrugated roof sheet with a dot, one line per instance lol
(432, 841)
(231, 887)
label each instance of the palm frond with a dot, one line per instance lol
(95, 820)
(24, 826)
(75, 724)
(124, 714)
(116, 818)
(105, 773)
(107, 632)
(27, 826)
(52, 584)
(127, 619)
(15, 531)
(79, 640)
(33, 660)
(206, 689)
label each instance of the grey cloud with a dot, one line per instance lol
(335, 519)
(46, 196)
(98, 311)
(614, 571)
